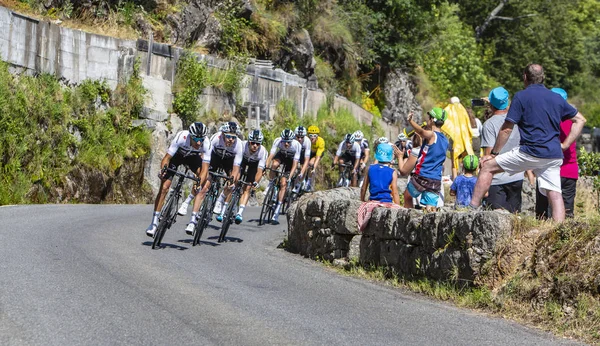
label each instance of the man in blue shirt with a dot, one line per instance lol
(538, 112)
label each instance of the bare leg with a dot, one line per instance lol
(558, 206)
(484, 180)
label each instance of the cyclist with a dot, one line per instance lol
(317, 149)
(285, 150)
(348, 151)
(184, 206)
(304, 154)
(252, 167)
(364, 151)
(225, 153)
(187, 147)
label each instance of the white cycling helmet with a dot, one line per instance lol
(349, 138)
(198, 129)
(383, 140)
(256, 136)
(300, 131)
(402, 137)
(229, 127)
(288, 135)
(358, 135)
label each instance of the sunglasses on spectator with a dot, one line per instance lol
(197, 139)
(230, 136)
(254, 143)
(313, 136)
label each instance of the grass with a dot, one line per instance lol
(556, 288)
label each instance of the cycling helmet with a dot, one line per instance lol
(198, 129)
(229, 127)
(402, 137)
(300, 131)
(470, 162)
(349, 138)
(288, 135)
(383, 140)
(358, 135)
(313, 130)
(256, 136)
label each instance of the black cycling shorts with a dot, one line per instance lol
(287, 161)
(248, 170)
(217, 162)
(193, 162)
(348, 158)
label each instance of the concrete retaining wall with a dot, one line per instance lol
(39, 46)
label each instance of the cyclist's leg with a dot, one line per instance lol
(282, 189)
(354, 174)
(194, 163)
(159, 201)
(227, 190)
(251, 172)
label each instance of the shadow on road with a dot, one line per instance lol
(228, 239)
(166, 245)
(189, 241)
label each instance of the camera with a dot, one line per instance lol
(477, 102)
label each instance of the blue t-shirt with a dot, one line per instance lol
(464, 187)
(431, 158)
(380, 179)
(538, 112)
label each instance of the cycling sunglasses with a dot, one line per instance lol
(313, 136)
(254, 143)
(230, 136)
(197, 139)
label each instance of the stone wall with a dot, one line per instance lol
(442, 246)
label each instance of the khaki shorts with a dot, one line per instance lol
(547, 171)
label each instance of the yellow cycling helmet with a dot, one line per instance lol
(313, 130)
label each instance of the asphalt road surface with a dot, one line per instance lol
(86, 275)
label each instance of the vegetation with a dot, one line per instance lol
(47, 129)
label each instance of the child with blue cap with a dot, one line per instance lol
(380, 178)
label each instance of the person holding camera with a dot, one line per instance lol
(505, 190)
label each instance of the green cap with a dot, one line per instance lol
(438, 114)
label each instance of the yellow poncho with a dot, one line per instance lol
(458, 127)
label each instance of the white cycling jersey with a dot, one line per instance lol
(305, 145)
(259, 156)
(353, 150)
(182, 144)
(293, 150)
(218, 148)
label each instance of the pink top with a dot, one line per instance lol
(569, 168)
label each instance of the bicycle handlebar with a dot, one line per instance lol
(219, 175)
(183, 175)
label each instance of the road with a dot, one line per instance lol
(86, 275)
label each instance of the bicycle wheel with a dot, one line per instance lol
(166, 216)
(229, 215)
(266, 207)
(203, 219)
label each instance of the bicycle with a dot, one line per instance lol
(231, 211)
(168, 213)
(206, 210)
(271, 197)
(346, 175)
(302, 187)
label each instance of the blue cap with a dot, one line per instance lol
(385, 152)
(561, 92)
(499, 98)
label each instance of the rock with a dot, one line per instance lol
(400, 98)
(297, 55)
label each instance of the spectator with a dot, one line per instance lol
(463, 185)
(538, 112)
(569, 173)
(407, 166)
(505, 190)
(427, 178)
(380, 178)
(476, 129)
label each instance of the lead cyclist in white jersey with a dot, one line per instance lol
(225, 153)
(285, 150)
(187, 147)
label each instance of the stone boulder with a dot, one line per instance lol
(297, 56)
(400, 91)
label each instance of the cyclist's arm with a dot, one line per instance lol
(165, 160)
(237, 160)
(338, 153)
(366, 159)
(320, 147)
(365, 186)
(294, 167)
